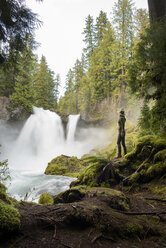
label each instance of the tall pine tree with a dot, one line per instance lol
(44, 87)
(123, 21)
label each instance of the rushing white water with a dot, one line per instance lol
(71, 127)
(40, 140)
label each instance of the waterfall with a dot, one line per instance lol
(71, 127)
(40, 140)
(41, 132)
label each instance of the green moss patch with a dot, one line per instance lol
(113, 198)
(147, 162)
(46, 199)
(99, 173)
(66, 166)
(71, 195)
(145, 149)
(9, 215)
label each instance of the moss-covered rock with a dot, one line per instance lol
(145, 149)
(66, 166)
(114, 198)
(147, 161)
(71, 195)
(46, 199)
(100, 172)
(9, 215)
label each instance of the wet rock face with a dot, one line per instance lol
(4, 104)
(10, 113)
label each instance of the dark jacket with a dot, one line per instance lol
(121, 122)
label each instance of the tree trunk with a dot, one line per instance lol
(157, 9)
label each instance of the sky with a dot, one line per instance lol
(60, 36)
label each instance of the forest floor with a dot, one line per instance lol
(94, 222)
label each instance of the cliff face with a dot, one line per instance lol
(10, 113)
(4, 104)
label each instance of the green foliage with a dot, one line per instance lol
(44, 87)
(142, 19)
(9, 218)
(67, 104)
(89, 38)
(23, 89)
(100, 27)
(147, 73)
(101, 67)
(16, 22)
(4, 171)
(107, 55)
(145, 120)
(46, 199)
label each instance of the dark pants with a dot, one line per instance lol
(121, 139)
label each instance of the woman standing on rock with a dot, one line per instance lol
(121, 135)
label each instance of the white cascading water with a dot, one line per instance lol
(71, 127)
(40, 140)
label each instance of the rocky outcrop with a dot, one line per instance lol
(4, 105)
(10, 113)
(66, 166)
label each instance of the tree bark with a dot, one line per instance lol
(157, 9)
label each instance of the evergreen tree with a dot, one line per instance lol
(57, 85)
(147, 73)
(8, 72)
(101, 67)
(141, 22)
(144, 120)
(16, 21)
(100, 27)
(84, 95)
(89, 34)
(69, 83)
(44, 87)
(78, 74)
(123, 20)
(23, 89)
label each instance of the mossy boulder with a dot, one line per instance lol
(71, 195)
(46, 199)
(147, 162)
(99, 173)
(146, 148)
(66, 166)
(113, 198)
(9, 215)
